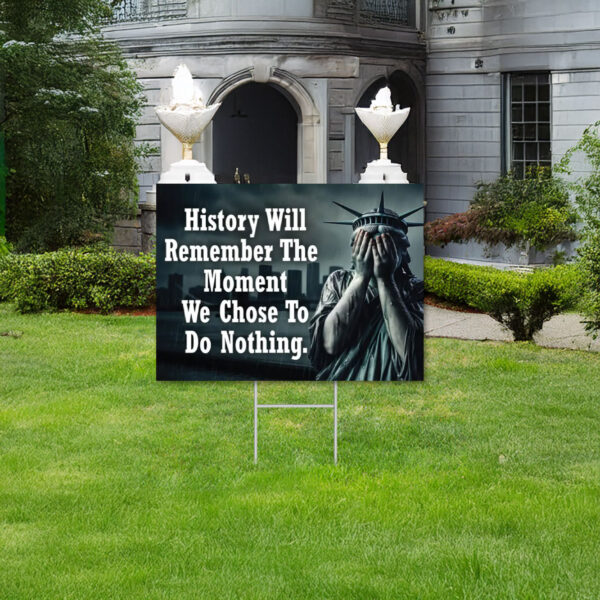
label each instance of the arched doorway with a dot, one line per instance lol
(407, 145)
(256, 131)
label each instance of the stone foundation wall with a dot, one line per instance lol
(136, 235)
(148, 229)
(127, 235)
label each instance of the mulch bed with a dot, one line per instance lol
(441, 303)
(149, 311)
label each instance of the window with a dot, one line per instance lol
(527, 115)
(385, 11)
(373, 12)
(148, 10)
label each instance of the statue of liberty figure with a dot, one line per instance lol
(368, 324)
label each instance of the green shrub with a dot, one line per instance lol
(11, 266)
(587, 196)
(534, 211)
(589, 260)
(77, 279)
(520, 301)
(5, 247)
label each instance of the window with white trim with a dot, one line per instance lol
(527, 131)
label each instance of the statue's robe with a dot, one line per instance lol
(371, 355)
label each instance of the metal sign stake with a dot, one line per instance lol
(333, 406)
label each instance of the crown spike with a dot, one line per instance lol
(410, 212)
(381, 204)
(411, 224)
(350, 210)
(339, 222)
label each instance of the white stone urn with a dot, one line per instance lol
(383, 121)
(186, 117)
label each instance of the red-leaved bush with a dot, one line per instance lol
(454, 228)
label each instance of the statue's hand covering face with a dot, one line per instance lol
(398, 236)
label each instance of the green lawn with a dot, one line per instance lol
(484, 482)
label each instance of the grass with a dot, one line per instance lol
(483, 482)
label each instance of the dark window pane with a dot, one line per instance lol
(529, 113)
(531, 151)
(545, 151)
(517, 151)
(517, 92)
(530, 92)
(544, 92)
(543, 132)
(517, 132)
(517, 113)
(530, 131)
(544, 112)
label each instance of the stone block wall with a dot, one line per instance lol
(136, 235)
(127, 235)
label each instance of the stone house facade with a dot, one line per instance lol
(492, 85)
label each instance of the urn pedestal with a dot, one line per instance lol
(383, 170)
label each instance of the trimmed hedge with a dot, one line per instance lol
(520, 301)
(77, 279)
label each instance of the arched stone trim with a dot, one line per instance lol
(407, 68)
(293, 86)
(367, 84)
(229, 84)
(311, 167)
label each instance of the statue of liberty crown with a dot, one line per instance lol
(378, 216)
